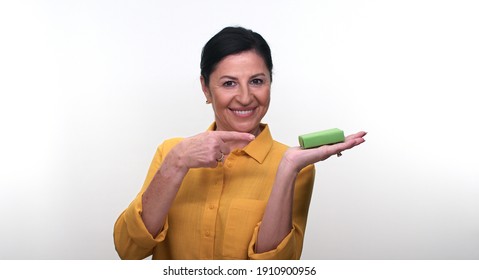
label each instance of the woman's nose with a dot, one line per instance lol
(244, 96)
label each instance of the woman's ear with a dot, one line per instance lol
(206, 90)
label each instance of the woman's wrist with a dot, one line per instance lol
(289, 164)
(287, 171)
(175, 162)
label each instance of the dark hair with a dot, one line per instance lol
(233, 40)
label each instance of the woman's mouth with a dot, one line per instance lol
(242, 112)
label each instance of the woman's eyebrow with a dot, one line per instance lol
(258, 75)
(234, 78)
(228, 77)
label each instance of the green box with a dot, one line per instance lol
(319, 138)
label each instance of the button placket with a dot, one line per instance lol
(210, 214)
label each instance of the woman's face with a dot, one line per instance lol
(239, 91)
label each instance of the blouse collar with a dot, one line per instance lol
(259, 148)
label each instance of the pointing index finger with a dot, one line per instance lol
(234, 136)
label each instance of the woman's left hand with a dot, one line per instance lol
(298, 158)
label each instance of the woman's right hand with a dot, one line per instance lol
(202, 150)
(208, 148)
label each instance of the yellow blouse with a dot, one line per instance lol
(217, 211)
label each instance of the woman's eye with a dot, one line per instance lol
(229, 83)
(257, 81)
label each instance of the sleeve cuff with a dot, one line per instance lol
(284, 251)
(137, 229)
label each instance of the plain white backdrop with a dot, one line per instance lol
(88, 89)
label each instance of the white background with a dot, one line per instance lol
(88, 89)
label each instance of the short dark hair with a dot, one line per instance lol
(233, 40)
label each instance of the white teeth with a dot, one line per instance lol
(242, 112)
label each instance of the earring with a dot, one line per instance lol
(208, 102)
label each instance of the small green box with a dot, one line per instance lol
(319, 138)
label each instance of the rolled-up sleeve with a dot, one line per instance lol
(132, 239)
(286, 250)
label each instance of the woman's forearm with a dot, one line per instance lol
(159, 196)
(278, 217)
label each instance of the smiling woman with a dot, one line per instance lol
(239, 90)
(231, 192)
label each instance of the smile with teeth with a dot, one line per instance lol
(242, 113)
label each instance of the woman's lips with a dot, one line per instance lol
(243, 112)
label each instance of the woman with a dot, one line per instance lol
(231, 192)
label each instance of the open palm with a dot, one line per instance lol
(299, 158)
